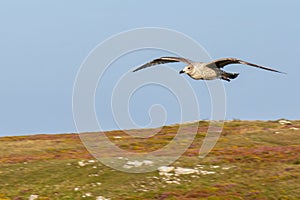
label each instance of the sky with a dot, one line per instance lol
(44, 43)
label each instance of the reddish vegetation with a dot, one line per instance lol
(69, 146)
(257, 154)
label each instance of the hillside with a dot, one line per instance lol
(252, 160)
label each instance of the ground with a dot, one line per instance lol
(252, 160)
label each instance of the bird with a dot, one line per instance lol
(205, 70)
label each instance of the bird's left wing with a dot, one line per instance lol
(220, 63)
(163, 60)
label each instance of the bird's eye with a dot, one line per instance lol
(189, 68)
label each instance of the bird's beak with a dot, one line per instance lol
(181, 72)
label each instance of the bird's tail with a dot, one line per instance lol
(227, 76)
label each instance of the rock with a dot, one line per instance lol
(127, 166)
(227, 167)
(165, 169)
(33, 197)
(81, 163)
(165, 174)
(173, 182)
(88, 194)
(136, 163)
(101, 198)
(180, 170)
(284, 122)
(90, 175)
(148, 162)
(204, 172)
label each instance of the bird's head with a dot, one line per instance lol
(187, 70)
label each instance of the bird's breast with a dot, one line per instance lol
(204, 73)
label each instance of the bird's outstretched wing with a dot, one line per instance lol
(163, 60)
(220, 63)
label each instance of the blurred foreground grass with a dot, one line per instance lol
(252, 160)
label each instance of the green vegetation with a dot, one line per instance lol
(252, 160)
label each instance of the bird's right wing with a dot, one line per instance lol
(220, 63)
(163, 60)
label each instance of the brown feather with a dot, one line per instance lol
(163, 60)
(220, 63)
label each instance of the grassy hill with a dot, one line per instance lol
(252, 160)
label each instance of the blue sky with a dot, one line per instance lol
(43, 44)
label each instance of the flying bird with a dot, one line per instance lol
(204, 70)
